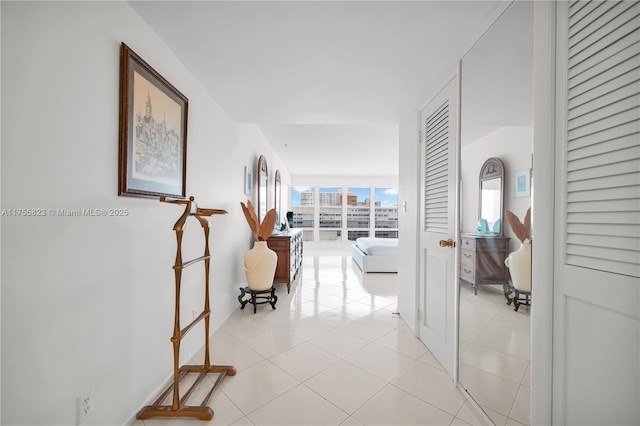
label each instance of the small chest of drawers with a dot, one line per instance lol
(288, 248)
(482, 259)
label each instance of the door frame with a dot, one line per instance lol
(543, 210)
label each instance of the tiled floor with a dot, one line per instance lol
(495, 354)
(332, 353)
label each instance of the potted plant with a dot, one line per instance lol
(260, 262)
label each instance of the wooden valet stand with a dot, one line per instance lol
(178, 407)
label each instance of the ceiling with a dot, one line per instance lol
(327, 82)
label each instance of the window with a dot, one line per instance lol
(386, 208)
(330, 217)
(344, 213)
(358, 212)
(303, 205)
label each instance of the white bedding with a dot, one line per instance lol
(378, 246)
(376, 254)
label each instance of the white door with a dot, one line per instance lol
(596, 325)
(438, 179)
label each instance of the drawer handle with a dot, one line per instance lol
(468, 256)
(467, 271)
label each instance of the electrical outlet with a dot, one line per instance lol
(84, 406)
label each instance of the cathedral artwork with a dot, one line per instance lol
(156, 153)
(153, 123)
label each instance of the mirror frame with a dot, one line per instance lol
(263, 185)
(278, 197)
(491, 169)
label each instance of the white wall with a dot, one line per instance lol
(513, 145)
(87, 302)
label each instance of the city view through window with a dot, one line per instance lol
(344, 213)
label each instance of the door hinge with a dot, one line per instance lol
(419, 314)
(419, 137)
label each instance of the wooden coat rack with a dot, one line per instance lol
(178, 406)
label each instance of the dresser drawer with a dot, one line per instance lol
(468, 256)
(467, 271)
(468, 244)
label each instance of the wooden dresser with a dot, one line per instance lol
(482, 260)
(288, 247)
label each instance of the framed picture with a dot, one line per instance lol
(523, 183)
(153, 131)
(248, 181)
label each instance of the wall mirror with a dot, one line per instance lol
(496, 121)
(491, 195)
(263, 184)
(278, 198)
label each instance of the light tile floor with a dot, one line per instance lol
(332, 353)
(495, 347)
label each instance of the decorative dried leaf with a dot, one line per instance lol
(527, 222)
(252, 223)
(516, 226)
(266, 229)
(252, 210)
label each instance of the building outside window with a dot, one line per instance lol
(303, 208)
(330, 213)
(358, 212)
(344, 213)
(386, 212)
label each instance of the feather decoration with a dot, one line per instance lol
(521, 230)
(266, 229)
(527, 222)
(261, 232)
(250, 221)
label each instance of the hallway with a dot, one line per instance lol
(332, 353)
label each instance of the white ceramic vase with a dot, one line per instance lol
(519, 264)
(260, 266)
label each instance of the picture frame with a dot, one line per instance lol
(248, 181)
(153, 131)
(522, 183)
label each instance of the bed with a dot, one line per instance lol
(376, 254)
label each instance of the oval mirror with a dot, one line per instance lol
(278, 197)
(263, 184)
(491, 194)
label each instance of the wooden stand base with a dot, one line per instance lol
(517, 297)
(202, 411)
(267, 296)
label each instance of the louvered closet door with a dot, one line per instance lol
(596, 355)
(437, 221)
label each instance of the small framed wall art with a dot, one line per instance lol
(153, 131)
(248, 181)
(522, 184)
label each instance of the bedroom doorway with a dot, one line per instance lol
(438, 212)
